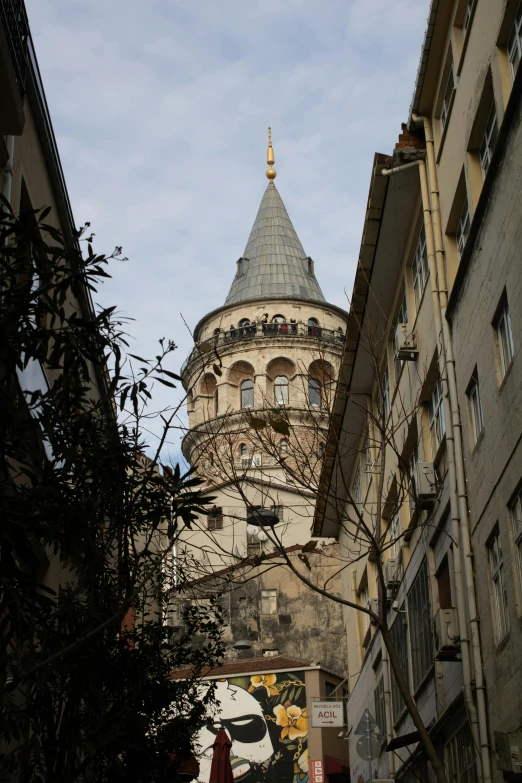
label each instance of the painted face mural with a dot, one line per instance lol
(265, 717)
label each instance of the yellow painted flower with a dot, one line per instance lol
(293, 720)
(266, 681)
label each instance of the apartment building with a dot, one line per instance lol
(421, 480)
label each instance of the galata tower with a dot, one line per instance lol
(260, 380)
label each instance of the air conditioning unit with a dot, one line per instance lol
(391, 573)
(406, 344)
(447, 639)
(426, 482)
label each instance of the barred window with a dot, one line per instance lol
(419, 615)
(399, 636)
(459, 757)
(215, 519)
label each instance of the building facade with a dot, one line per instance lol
(425, 444)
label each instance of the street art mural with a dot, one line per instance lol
(265, 718)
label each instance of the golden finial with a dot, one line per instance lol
(271, 172)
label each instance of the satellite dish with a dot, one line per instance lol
(252, 530)
(262, 536)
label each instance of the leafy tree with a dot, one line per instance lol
(88, 524)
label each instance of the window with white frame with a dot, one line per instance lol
(514, 46)
(463, 228)
(420, 268)
(402, 318)
(268, 601)
(281, 390)
(459, 757)
(399, 636)
(489, 140)
(516, 521)
(436, 417)
(357, 488)
(420, 622)
(394, 527)
(247, 394)
(496, 565)
(475, 407)
(446, 101)
(385, 393)
(506, 348)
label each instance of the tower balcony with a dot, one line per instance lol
(262, 331)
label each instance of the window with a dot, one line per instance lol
(515, 43)
(380, 711)
(364, 600)
(270, 653)
(420, 267)
(489, 140)
(496, 565)
(475, 407)
(357, 488)
(283, 446)
(459, 757)
(462, 231)
(412, 478)
(247, 394)
(216, 403)
(243, 450)
(215, 519)
(506, 349)
(320, 450)
(310, 266)
(516, 520)
(244, 322)
(444, 585)
(385, 394)
(467, 15)
(313, 327)
(394, 526)
(436, 417)
(281, 390)
(240, 267)
(446, 101)
(402, 318)
(368, 461)
(329, 689)
(419, 615)
(278, 319)
(314, 392)
(268, 601)
(399, 636)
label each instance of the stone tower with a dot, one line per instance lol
(259, 382)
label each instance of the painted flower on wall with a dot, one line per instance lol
(266, 681)
(293, 720)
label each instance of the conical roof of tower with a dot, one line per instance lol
(275, 264)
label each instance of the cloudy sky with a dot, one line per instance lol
(160, 108)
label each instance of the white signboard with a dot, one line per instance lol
(327, 713)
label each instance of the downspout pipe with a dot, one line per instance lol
(7, 179)
(450, 445)
(466, 553)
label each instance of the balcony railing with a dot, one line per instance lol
(263, 331)
(16, 29)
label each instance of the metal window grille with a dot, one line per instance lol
(399, 636)
(380, 711)
(459, 757)
(489, 140)
(402, 318)
(516, 520)
(463, 228)
(420, 622)
(475, 408)
(420, 268)
(514, 46)
(506, 347)
(496, 565)
(446, 101)
(268, 601)
(215, 519)
(436, 417)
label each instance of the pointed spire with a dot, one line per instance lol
(274, 263)
(271, 172)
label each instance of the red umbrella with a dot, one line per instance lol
(221, 769)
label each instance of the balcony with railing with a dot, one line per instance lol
(265, 331)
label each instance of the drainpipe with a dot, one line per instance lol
(387, 707)
(450, 445)
(466, 551)
(7, 179)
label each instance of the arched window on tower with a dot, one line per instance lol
(320, 450)
(281, 390)
(216, 402)
(278, 319)
(242, 450)
(314, 392)
(247, 394)
(313, 327)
